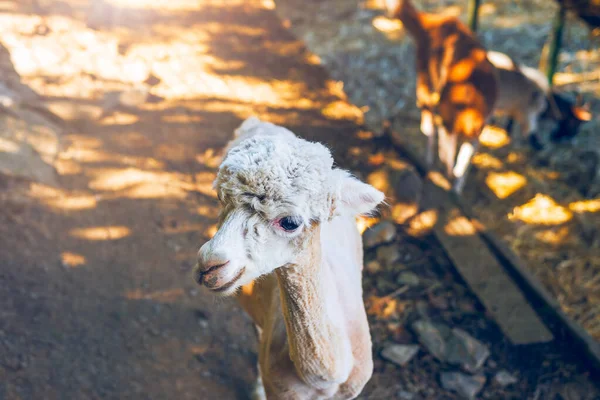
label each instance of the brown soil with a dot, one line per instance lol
(94, 276)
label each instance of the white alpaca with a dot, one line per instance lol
(288, 217)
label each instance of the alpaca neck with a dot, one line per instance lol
(318, 347)
(412, 20)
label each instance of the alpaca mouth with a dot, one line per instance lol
(229, 284)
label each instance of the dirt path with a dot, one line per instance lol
(94, 261)
(96, 297)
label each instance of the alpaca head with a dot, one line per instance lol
(273, 189)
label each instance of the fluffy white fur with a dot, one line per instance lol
(307, 305)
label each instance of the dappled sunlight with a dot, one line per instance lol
(163, 5)
(494, 137)
(161, 296)
(515, 158)
(365, 135)
(384, 307)
(379, 180)
(84, 155)
(207, 211)
(487, 161)
(363, 223)
(590, 206)
(140, 184)
(439, 180)
(376, 159)
(210, 158)
(268, 4)
(72, 260)
(70, 111)
(182, 65)
(460, 226)
(422, 223)
(182, 118)
(343, 111)
(313, 59)
(120, 118)
(8, 146)
(99, 233)
(504, 184)
(67, 167)
(118, 179)
(73, 202)
(401, 212)
(541, 210)
(554, 236)
(41, 191)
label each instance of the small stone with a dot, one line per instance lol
(434, 337)
(203, 323)
(400, 354)
(408, 278)
(404, 395)
(505, 378)
(383, 232)
(387, 255)
(463, 349)
(422, 308)
(439, 302)
(373, 267)
(466, 386)
(466, 307)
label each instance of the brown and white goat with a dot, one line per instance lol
(456, 86)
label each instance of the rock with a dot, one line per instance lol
(387, 255)
(373, 267)
(408, 278)
(466, 386)
(434, 337)
(454, 346)
(439, 302)
(400, 354)
(383, 232)
(404, 395)
(505, 378)
(465, 350)
(29, 144)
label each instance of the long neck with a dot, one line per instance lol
(411, 18)
(319, 348)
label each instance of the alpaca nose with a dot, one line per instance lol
(207, 267)
(209, 261)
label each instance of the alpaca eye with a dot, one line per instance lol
(290, 224)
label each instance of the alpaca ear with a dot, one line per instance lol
(354, 196)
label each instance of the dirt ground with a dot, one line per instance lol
(546, 205)
(95, 252)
